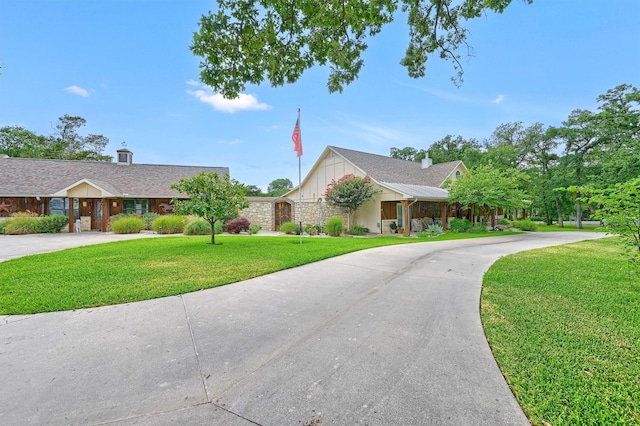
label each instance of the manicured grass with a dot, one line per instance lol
(564, 325)
(134, 270)
(566, 228)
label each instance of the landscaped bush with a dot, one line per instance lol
(459, 225)
(478, 228)
(200, 227)
(434, 230)
(334, 226)
(3, 225)
(525, 225)
(54, 223)
(358, 230)
(21, 225)
(313, 229)
(148, 218)
(169, 224)
(504, 222)
(290, 228)
(126, 224)
(254, 229)
(238, 225)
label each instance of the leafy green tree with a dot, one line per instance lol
(619, 211)
(489, 186)
(64, 144)
(279, 187)
(18, 142)
(408, 153)
(254, 191)
(453, 149)
(211, 197)
(350, 192)
(251, 41)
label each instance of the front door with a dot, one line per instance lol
(96, 214)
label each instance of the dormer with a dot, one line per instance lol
(125, 157)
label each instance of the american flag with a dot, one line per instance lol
(297, 138)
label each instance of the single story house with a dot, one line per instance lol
(411, 193)
(90, 191)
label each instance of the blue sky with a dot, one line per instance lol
(126, 67)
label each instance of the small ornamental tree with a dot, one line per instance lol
(489, 186)
(212, 197)
(619, 211)
(350, 192)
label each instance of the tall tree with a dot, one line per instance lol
(456, 148)
(507, 147)
(408, 153)
(350, 192)
(251, 41)
(64, 144)
(211, 197)
(279, 187)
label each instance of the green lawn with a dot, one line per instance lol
(564, 325)
(566, 228)
(134, 270)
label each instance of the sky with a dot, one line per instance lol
(125, 66)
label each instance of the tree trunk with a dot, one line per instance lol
(547, 213)
(559, 208)
(213, 232)
(578, 213)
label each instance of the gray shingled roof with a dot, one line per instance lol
(392, 170)
(28, 177)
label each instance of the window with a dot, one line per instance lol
(122, 158)
(61, 206)
(135, 206)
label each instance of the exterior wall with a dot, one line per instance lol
(84, 190)
(260, 213)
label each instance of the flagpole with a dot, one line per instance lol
(300, 185)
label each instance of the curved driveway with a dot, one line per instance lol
(386, 336)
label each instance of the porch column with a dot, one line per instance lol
(407, 219)
(443, 215)
(72, 227)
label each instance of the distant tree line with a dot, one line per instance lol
(65, 143)
(596, 149)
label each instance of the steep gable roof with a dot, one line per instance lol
(29, 177)
(392, 170)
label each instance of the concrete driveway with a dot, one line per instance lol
(386, 336)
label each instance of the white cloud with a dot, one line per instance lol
(497, 100)
(76, 90)
(219, 103)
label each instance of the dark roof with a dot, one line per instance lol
(393, 170)
(28, 177)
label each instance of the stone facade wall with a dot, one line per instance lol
(260, 212)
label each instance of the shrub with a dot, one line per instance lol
(504, 222)
(459, 225)
(254, 229)
(290, 228)
(169, 224)
(127, 224)
(334, 226)
(148, 218)
(478, 228)
(525, 225)
(422, 234)
(434, 230)
(358, 230)
(54, 223)
(200, 227)
(238, 225)
(21, 224)
(3, 225)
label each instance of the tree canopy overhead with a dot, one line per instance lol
(251, 41)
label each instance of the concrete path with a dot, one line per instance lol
(387, 336)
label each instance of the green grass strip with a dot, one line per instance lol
(564, 325)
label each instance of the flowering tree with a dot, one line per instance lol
(350, 192)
